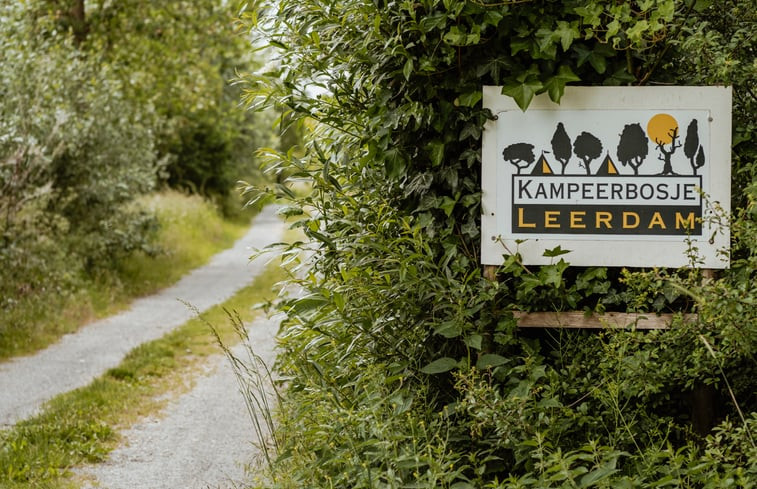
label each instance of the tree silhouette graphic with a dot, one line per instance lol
(666, 154)
(519, 154)
(691, 147)
(587, 147)
(561, 146)
(633, 146)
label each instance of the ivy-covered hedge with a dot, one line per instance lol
(405, 367)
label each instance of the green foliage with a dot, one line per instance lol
(189, 231)
(179, 58)
(98, 106)
(73, 153)
(391, 92)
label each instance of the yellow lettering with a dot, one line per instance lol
(550, 219)
(577, 220)
(687, 223)
(628, 217)
(657, 221)
(603, 217)
(520, 220)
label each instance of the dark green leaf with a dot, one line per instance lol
(449, 329)
(557, 251)
(522, 92)
(555, 85)
(441, 365)
(490, 360)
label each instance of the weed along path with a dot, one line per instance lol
(202, 439)
(27, 382)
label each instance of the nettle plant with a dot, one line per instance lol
(396, 303)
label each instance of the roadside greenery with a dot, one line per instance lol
(81, 426)
(404, 365)
(188, 231)
(101, 103)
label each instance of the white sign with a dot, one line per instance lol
(620, 176)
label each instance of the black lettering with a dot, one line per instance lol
(631, 191)
(601, 191)
(649, 191)
(572, 189)
(689, 191)
(678, 192)
(541, 191)
(556, 190)
(586, 190)
(523, 189)
(617, 191)
(662, 190)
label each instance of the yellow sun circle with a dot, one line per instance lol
(660, 128)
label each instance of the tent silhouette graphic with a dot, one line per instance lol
(542, 167)
(608, 167)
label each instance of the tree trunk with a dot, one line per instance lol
(79, 21)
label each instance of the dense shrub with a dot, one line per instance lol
(397, 307)
(73, 151)
(101, 102)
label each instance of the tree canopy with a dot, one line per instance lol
(100, 103)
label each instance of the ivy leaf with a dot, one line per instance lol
(518, 45)
(394, 164)
(620, 77)
(636, 32)
(470, 99)
(557, 251)
(566, 32)
(447, 205)
(433, 21)
(441, 365)
(493, 17)
(436, 151)
(523, 92)
(555, 85)
(457, 37)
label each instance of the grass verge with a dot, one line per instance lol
(81, 426)
(190, 231)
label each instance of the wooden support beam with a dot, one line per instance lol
(578, 319)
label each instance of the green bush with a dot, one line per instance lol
(397, 303)
(74, 153)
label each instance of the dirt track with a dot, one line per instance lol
(27, 382)
(202, 439)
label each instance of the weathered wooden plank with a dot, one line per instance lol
(578, 319)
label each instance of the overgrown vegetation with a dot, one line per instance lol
(405, 367)
(82, 426)
(100, 103)
(188, 231)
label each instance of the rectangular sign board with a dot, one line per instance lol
(620, 176)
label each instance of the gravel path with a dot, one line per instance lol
(27, 382)
(203, 439)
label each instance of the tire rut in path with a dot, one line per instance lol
(77, 359)
(203, 439)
